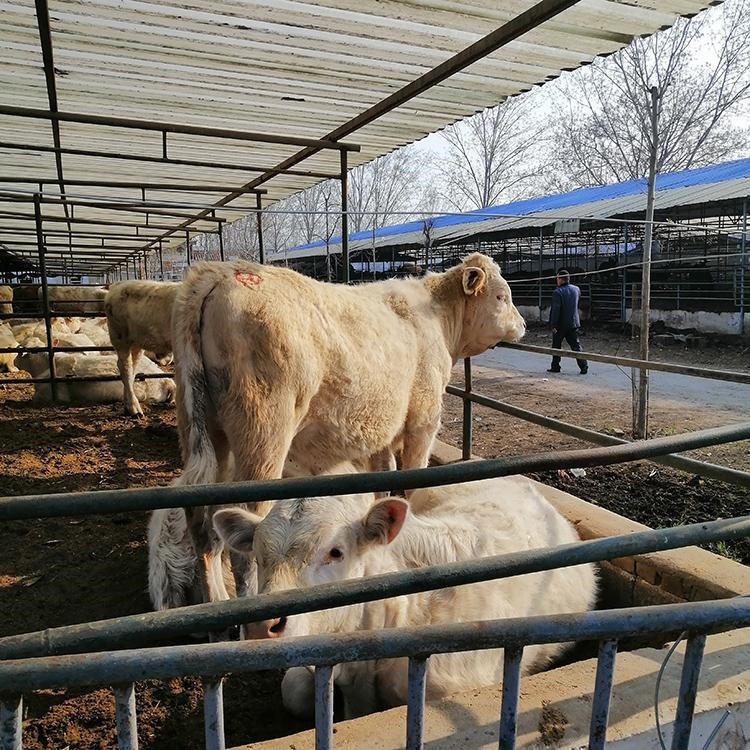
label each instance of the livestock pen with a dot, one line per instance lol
(91, 235)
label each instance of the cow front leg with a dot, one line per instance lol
(383, 461)
(298, 692)
(126, 362)
(358, 688)
(418, 440)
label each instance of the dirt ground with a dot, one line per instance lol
(63, 571)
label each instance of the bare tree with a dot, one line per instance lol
(330, 196)
(381, 188)
(701, 67)
(491, 155)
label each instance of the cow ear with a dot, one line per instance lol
(384, 521)
(236, 528)
(474, 280)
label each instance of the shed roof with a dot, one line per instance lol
(689, 187)
(280, 67)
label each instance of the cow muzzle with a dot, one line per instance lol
(273, 628)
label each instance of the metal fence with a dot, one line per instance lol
(47, 658)
(82, 655)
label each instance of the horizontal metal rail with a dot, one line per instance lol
(162, 160)
(151, 498)
(87, 378)
(690, 465)
(175, 127)
(137, 630)
(218, 659)
(697, 372)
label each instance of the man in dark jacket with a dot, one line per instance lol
(565, 320)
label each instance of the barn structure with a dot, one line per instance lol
(701, 276)
(127, 126)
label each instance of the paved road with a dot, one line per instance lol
(664, 385)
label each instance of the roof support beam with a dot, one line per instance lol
(535, 16)
(140, 208)
(20, 216)
(128, 184)
(172, 127)
(45, 40)
(161, 160)
(15, 231)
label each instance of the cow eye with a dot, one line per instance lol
(336, 553)
(500, 297)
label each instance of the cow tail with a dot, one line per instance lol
(193, 397)
(171, 559)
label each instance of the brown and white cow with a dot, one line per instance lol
(302, 543)
(270, 364)
(139, 316)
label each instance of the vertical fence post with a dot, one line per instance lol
(187, 246)
(541, 265)
(344, 216)
(45, 294)
(605, 666)
(221, 240)
(743, 265)
(691, 669)
(11, 717)
(415, 703)
(466, 442)
(161, 262)
(624, 298)
(259, 219)
(125, 717)
(323, 707)
(509, 707)
(641, 427)
(213, 714)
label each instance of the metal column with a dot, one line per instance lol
(344, 217)
(466, 440)
(640, 428)
(45, 294)
(743, 266)
(259, 220)
(221, 241)
(541, 263)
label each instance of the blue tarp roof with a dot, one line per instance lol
(713, 174)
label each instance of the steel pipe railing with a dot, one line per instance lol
(417, 644)
(151, 498)
(18, 676)
(691, 465)
(649, 364)
(153, 627)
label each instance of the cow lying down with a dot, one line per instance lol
(70, 365)
(172, 561)
(302, 543)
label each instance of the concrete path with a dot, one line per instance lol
(664, 385)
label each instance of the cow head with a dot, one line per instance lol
(489, 315)
(302, 543)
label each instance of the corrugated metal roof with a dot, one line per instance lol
(719, 182)
(276, 66)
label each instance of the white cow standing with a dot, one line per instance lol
(272, 364)
(139, 317)
(301, 543)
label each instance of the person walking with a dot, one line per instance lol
(565, 320)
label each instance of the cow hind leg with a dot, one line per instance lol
(126, 362)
